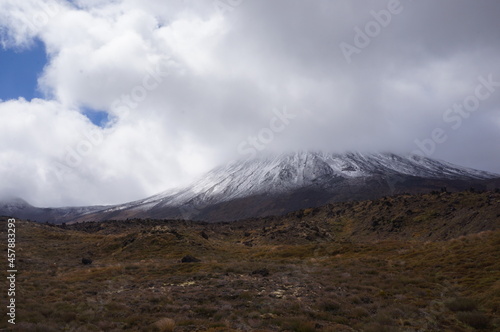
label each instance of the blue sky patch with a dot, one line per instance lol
(19, 72)
(98, 118)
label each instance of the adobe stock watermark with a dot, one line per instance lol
(455, 115)
(278, 123)
(372, 29)
(46, 11)
(11, 270)
(75, 155)
(392, 181)
(224, 6)
(154, 77)
(190, 210)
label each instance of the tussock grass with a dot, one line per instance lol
(164, 325)
(323, 284)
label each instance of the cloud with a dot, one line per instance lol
(185, 83)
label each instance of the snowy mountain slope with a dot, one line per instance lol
(286, 182)
(290, 171)
(325, 175)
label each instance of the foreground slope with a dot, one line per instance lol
(364, 266)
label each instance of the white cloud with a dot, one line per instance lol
(221, 74)
(194, 40)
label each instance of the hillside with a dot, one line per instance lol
(276, 185)
(406, 263)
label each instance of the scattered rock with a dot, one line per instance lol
(279, 294)
(86, 261)
(189, 259)
(128, 241)
(268, 316)
(177, 234)
(226, 307)
(310, 238)
(366, 299)
(263, 272)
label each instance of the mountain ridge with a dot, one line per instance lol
(282, 183)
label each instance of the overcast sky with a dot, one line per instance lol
(104, 102)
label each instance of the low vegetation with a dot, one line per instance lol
(313, 270)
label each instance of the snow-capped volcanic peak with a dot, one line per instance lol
(285, 172)
(278, 184)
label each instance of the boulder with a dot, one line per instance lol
(189, 259)
(86, 261)
(263, 272)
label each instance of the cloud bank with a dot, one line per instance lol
(189, 85)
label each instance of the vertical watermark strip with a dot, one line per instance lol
(11, 270)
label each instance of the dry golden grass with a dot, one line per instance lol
(321, 284)
(164, 325)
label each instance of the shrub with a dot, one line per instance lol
(359, 312)
(331, 306)
(373, 327)
(31, 327)
(301, 326)
(461, 304)
(165, 325)
(476, 319)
